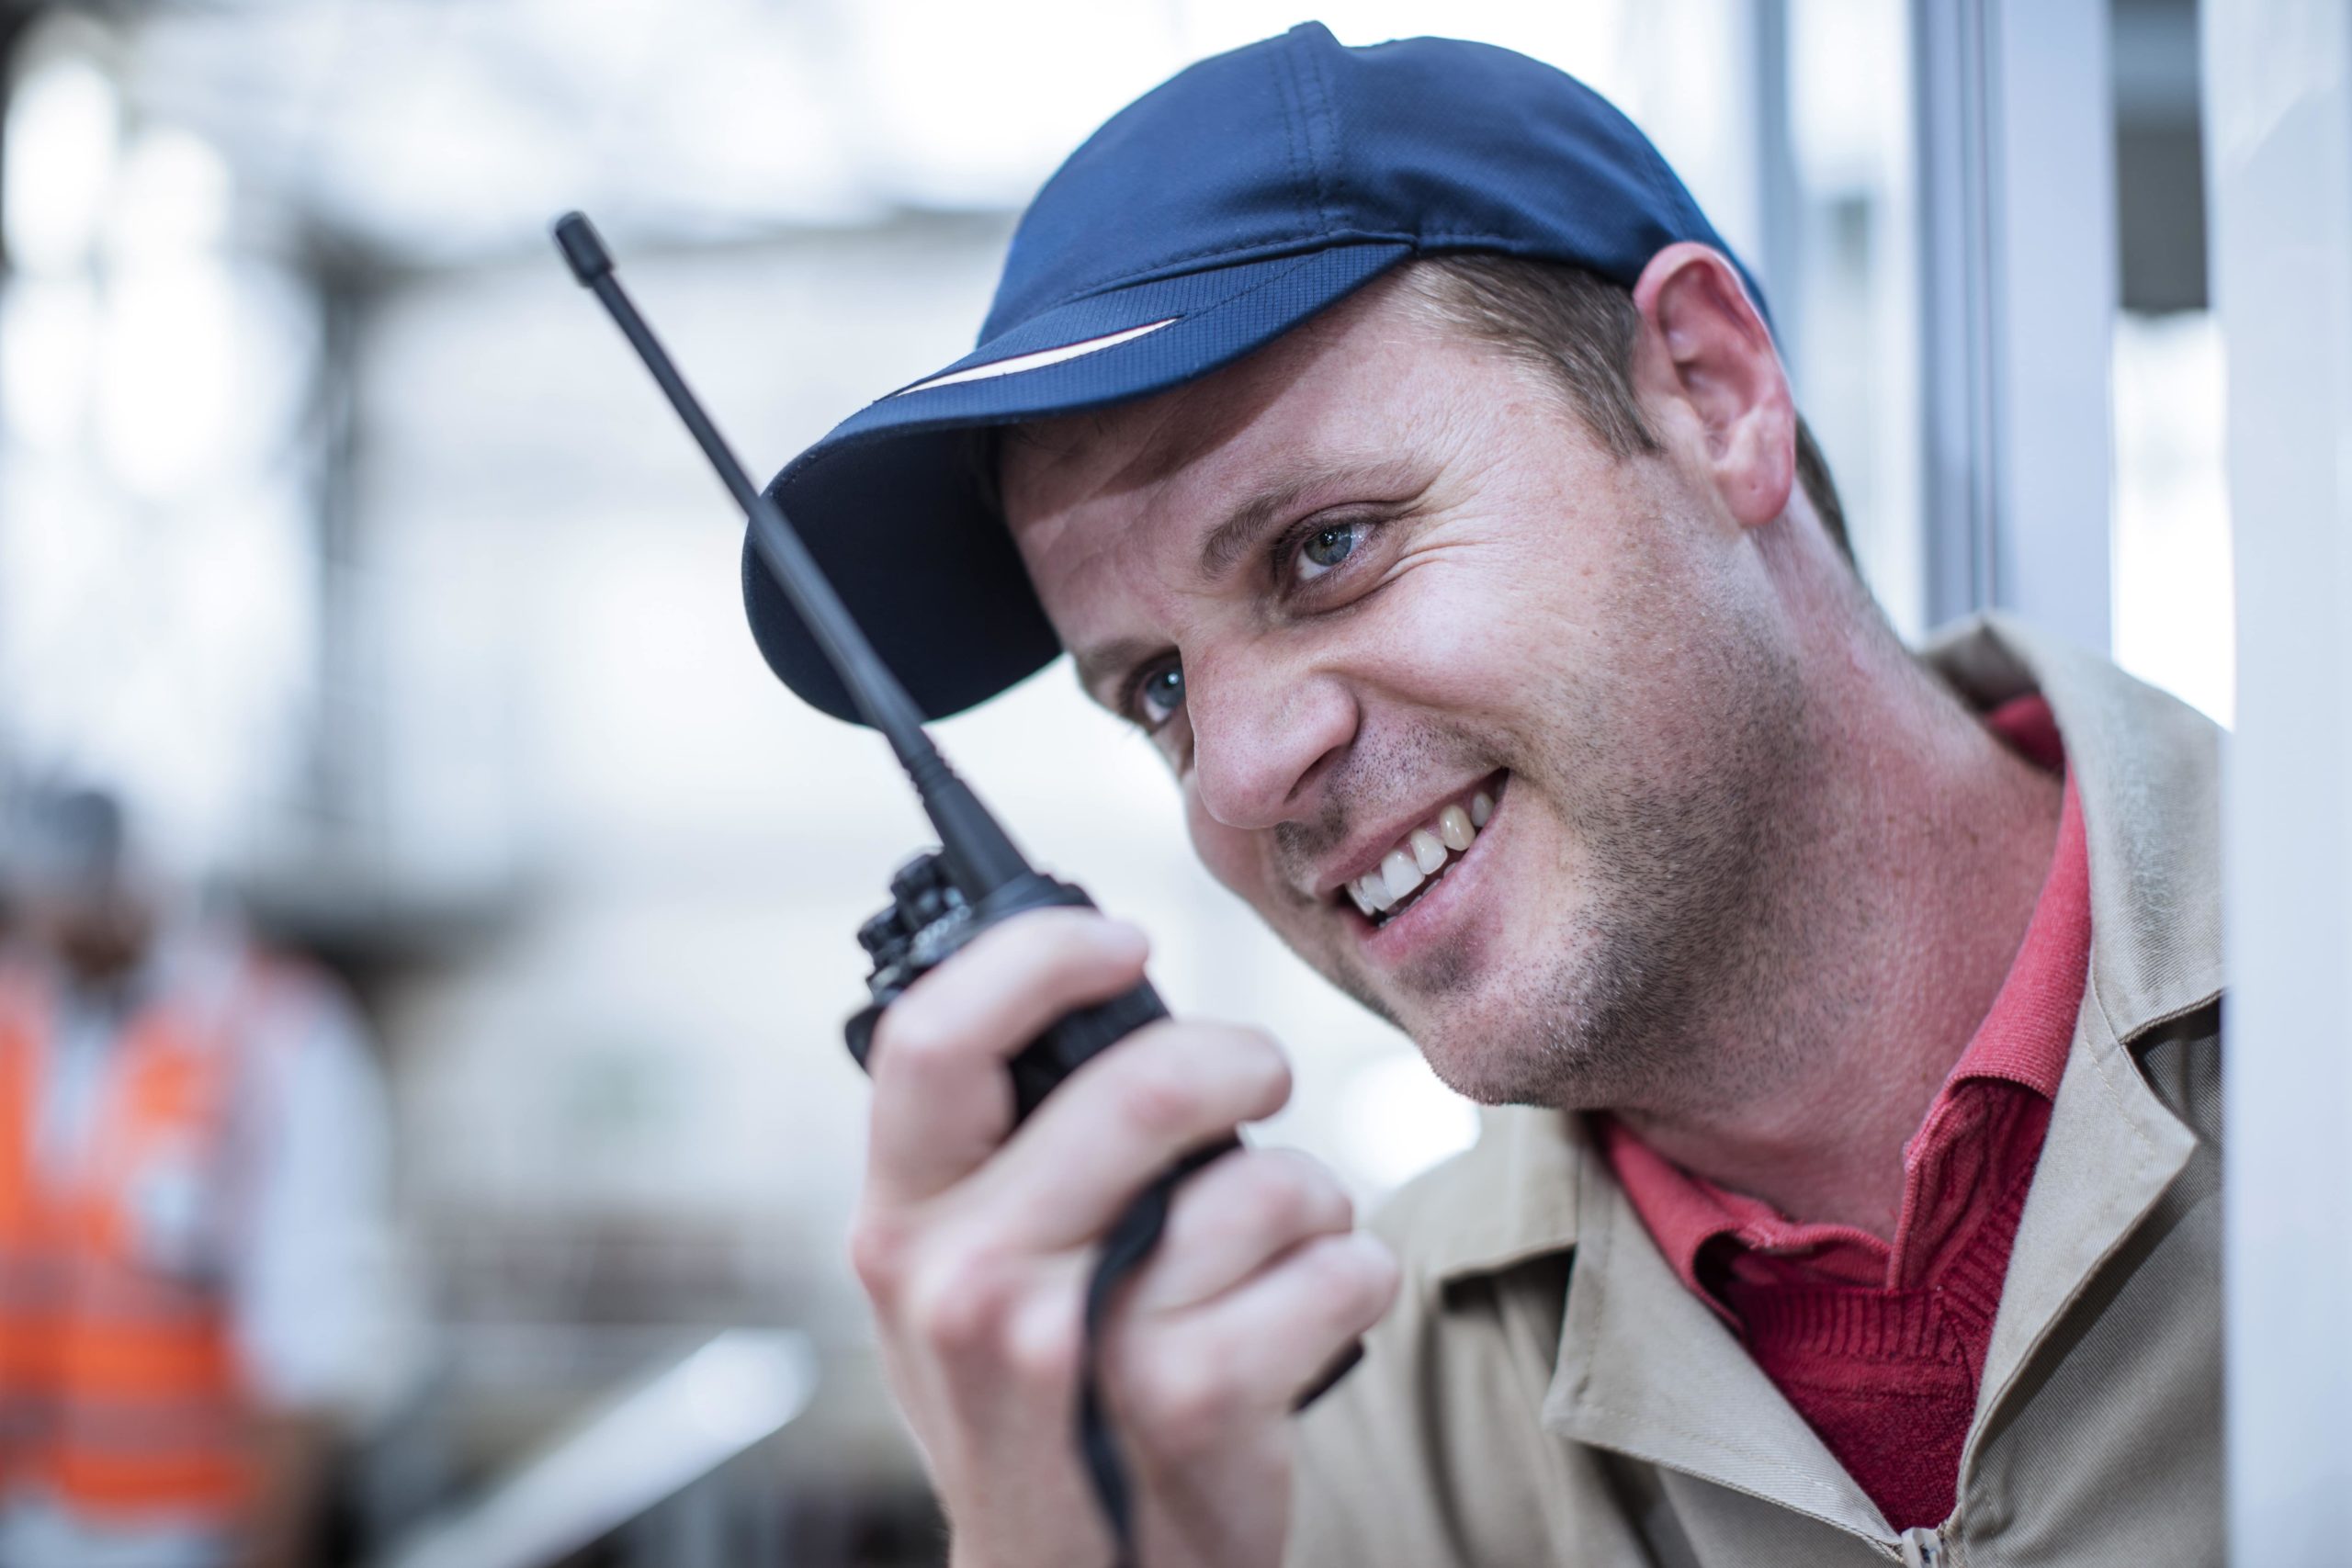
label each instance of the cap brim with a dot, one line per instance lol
(891, 503)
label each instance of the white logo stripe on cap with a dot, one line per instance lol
(1038, 360)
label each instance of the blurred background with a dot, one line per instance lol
(343, 542)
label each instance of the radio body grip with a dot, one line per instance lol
(928, 922)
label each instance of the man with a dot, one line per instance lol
(196, 1293)
(1387, 435)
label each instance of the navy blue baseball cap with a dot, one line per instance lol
(1205, 220)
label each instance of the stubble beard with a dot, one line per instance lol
(1691, 936)
(1692, 927)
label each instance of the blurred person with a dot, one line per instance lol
(1390, 438)
(195, 1292)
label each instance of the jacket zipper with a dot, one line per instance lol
(1923, 1547)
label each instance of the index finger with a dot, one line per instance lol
(943, 1098)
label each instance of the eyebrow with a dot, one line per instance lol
(1233, 540)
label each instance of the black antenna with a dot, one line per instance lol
(981, 857)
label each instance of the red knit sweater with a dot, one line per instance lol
(1880, 1347)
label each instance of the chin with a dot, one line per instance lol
(1493, 1060)
(1483, 1034)
(1534, 1029)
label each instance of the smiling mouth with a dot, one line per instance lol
(1420, 859)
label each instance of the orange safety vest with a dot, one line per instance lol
(121, 1386)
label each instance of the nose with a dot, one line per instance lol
(1264, 734)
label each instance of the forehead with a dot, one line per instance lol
(1084, 494)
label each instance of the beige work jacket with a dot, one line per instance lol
(1546, 1392)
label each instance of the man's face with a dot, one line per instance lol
(1379, 571)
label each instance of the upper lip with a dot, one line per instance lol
(1364, 852)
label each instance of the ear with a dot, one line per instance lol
(1704, 345)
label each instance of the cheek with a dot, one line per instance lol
(1534, 596)
(1471, 632)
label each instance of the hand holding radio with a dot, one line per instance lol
(975, 1239)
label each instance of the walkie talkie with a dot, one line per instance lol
(941, 900)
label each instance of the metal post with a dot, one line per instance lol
(2277, 94)
(1779, 194)
(2017, 289)
(1955, 312)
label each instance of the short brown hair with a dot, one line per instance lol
(1579, 328)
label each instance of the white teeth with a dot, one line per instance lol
(1401, 874)
(1422, 855)
(1428, 854)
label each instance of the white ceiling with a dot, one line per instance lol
(433, 133)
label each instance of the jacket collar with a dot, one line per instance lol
(2149, 768)
(1516, 1192)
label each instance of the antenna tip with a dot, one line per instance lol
(582, 247)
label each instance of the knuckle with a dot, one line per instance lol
(1304, 1197)
(1336, 1210)
(1128, 938)
(912, 1039)
(1048, 1342)
(1264, 1067)
(1067, 942)
(877, 1256)
(1047, 929)
(1159, 1101)
(1182, 1078)
(1102, 940)
(1363, 1272)
(961, 1307)
(1185, 1405)
(1279, 1198)
(1023, 942)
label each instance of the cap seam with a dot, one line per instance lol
(1175, 267)
(1286, 91)
(1321, 138)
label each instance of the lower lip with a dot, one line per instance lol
(1427, 918)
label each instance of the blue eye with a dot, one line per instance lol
(1328, 547)
(1159, 695)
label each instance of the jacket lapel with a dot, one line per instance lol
(2147, 769)
(1646, 1370)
